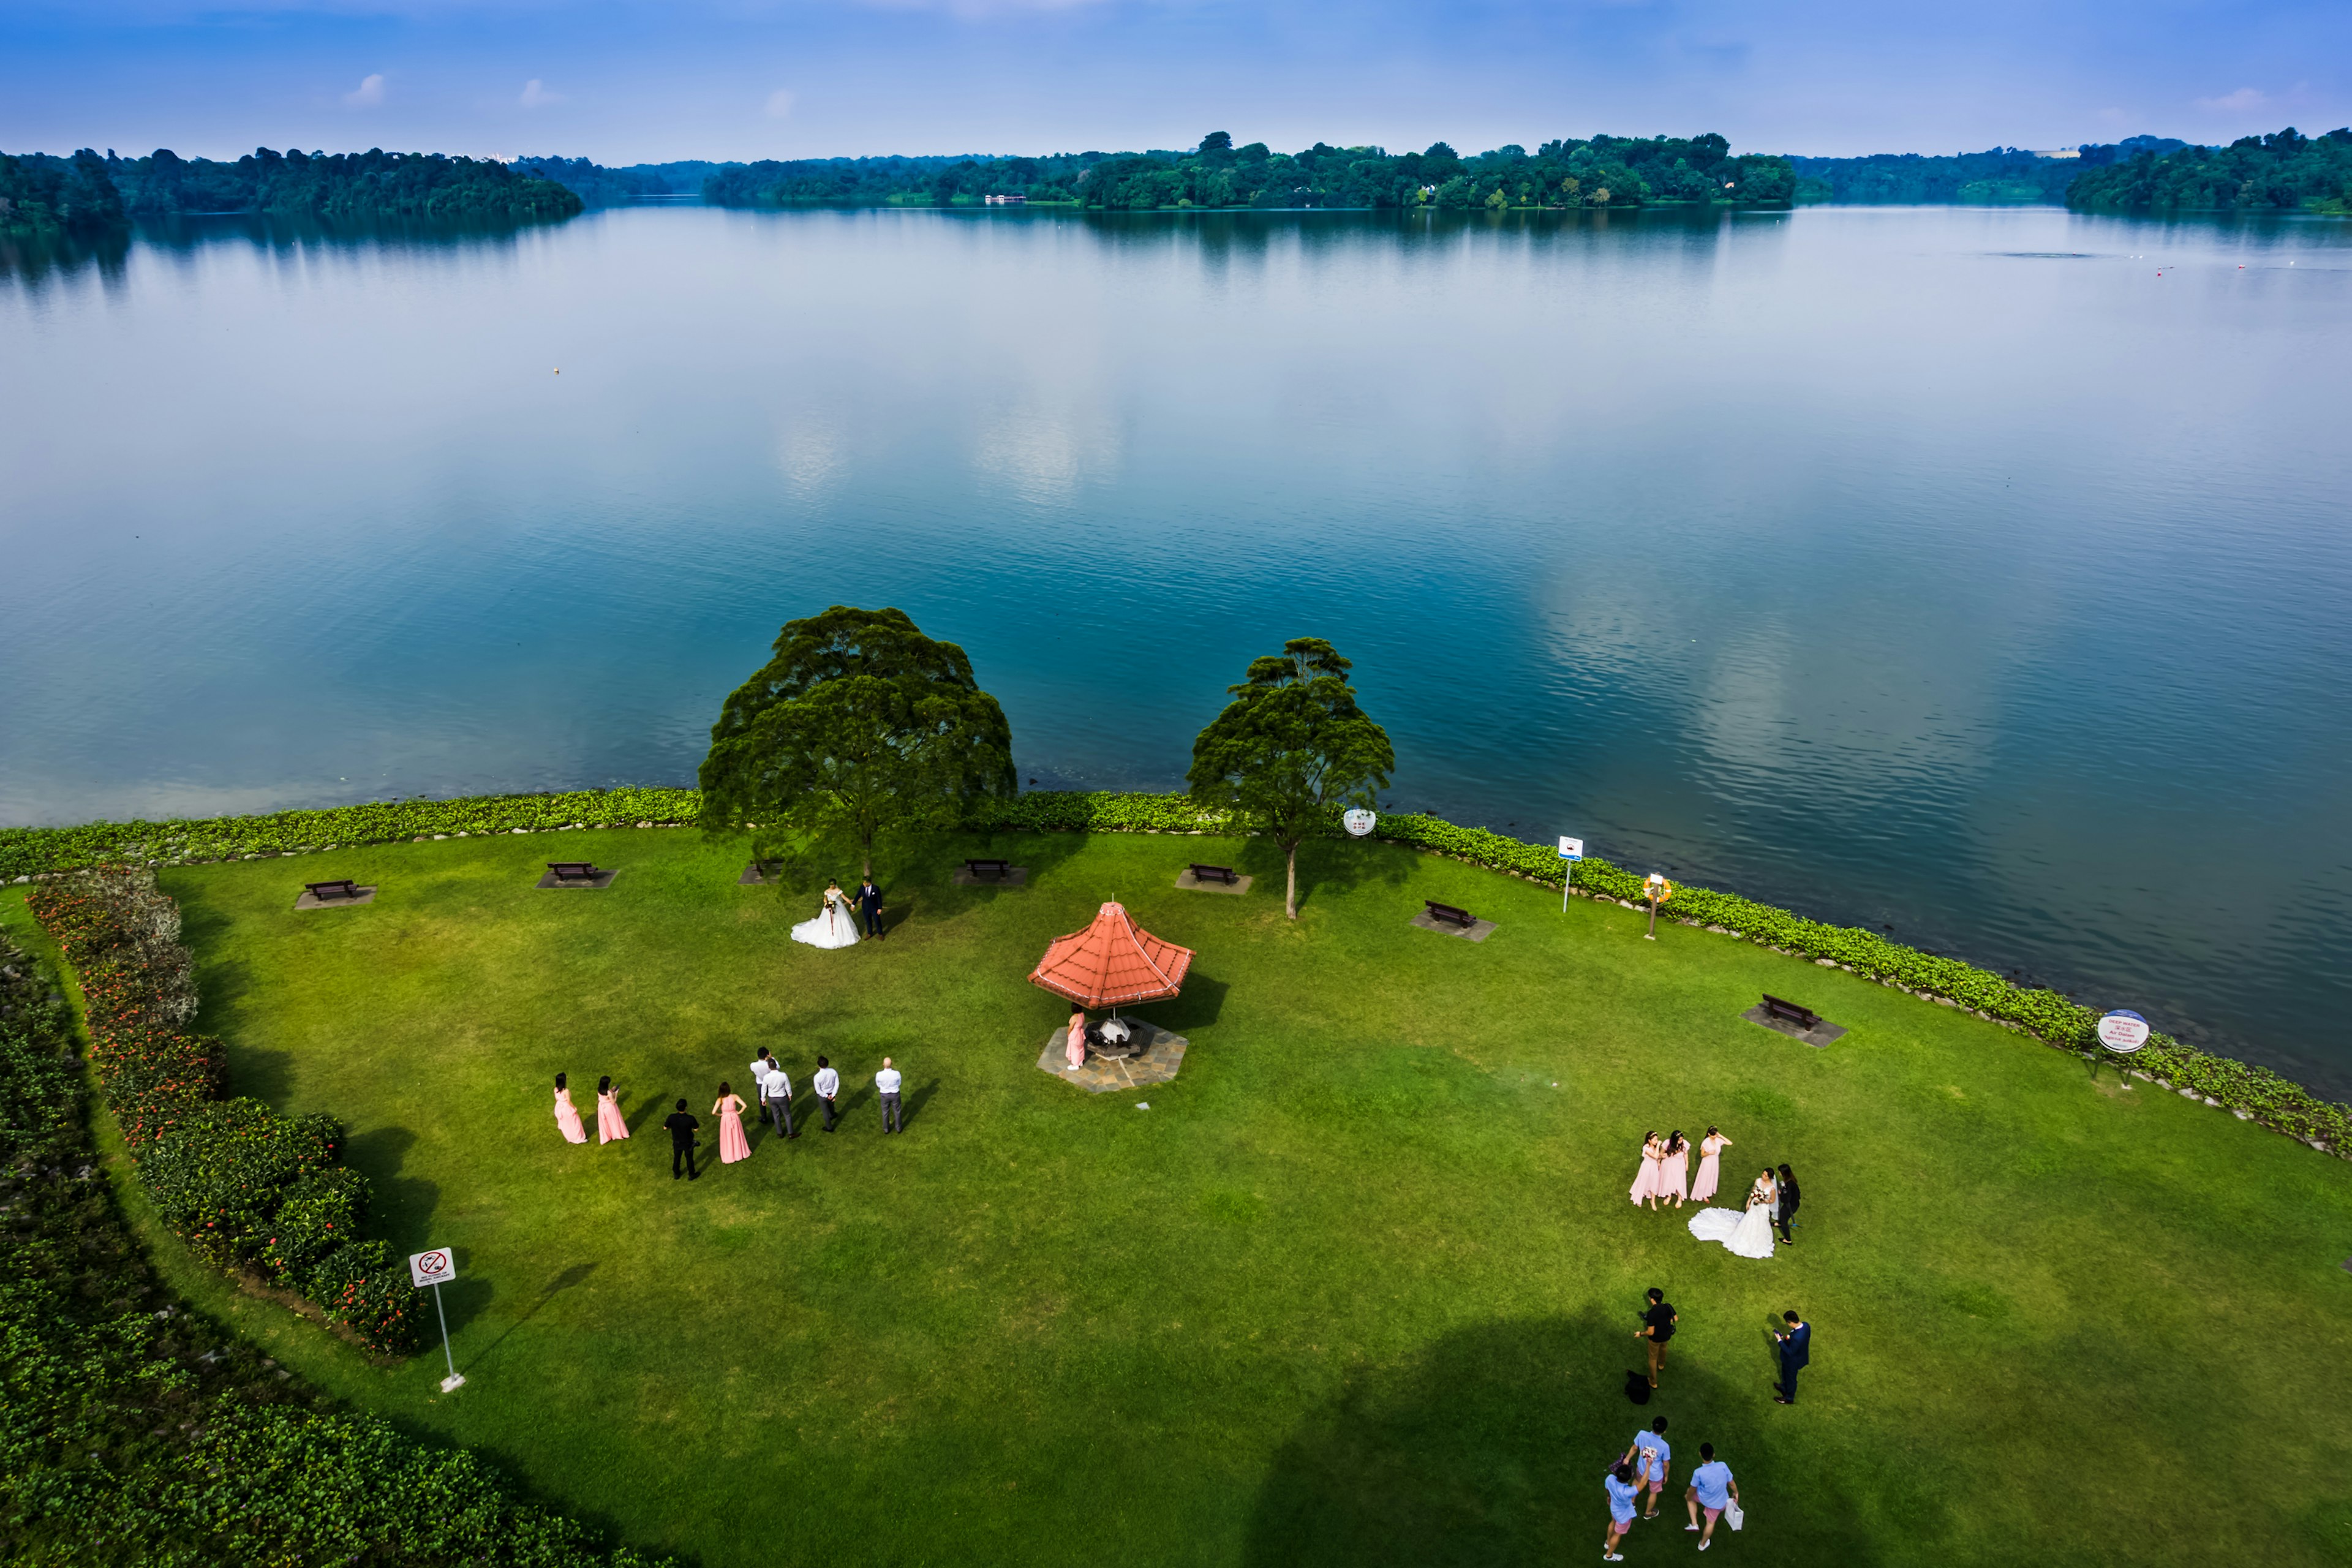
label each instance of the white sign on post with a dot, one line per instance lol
(2122, 1031)
(436, 1269)
(1359, 821)
(1570, 850)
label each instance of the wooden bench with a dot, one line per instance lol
(995, 870)
(1224, 874)
(342, 888)
(1803, 1017)
(1449, 915)
(573, 870)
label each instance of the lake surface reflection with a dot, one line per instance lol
(1981, 574)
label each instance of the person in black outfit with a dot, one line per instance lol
(682, 1127)
(1657, 1327)
(869, 904)
(1796, 1354)
(1788, 1203)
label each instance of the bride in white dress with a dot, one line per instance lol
(834, 925)
(1748, 1235)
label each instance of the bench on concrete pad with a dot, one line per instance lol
(576, 874)
(1199, 878)
(986, 873)
(1447, 919)
(339, 892)
(1798, 1022)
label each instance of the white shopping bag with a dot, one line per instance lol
(1732, 1516)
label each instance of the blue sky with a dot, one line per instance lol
(624, 82)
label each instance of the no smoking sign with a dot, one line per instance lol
(435, 1268)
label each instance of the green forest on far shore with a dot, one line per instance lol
(86, 193)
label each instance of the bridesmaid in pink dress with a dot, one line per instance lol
(732, 1144)
(1674, 1168)
(1713, 1144)
(566, 1117)
(610, 1122)
(1646, 1185)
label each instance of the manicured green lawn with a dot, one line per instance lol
(1359, 1288)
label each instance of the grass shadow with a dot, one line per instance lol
(400, 1208)
(575, 1275)
(911, 1108)
(1487, 1450)
(1199, 1003)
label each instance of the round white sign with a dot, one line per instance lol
(434, 1267)
(1360, 821)
(2122, 1031)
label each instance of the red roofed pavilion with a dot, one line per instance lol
(1113, 963)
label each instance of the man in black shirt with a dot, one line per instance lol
(682, 1127)
(1657, 1327)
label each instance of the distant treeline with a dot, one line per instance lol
(600, 186)
(1995, 175)
(2285, 170)
(1606, 171)
(86, 192)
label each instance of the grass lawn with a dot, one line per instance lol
(1359, 1288)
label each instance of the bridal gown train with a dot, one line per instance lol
(833, 927)
(1749, 1234)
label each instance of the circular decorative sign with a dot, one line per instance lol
(1360, 821)
(2122, 1031)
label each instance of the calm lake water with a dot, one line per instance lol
(1979, 574)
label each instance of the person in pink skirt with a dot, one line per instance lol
(610, 1122)
(732, 1144)
(1646, 1185)
(566, 1117)
(1709, 1147)
(1674, 1168)
(1075, 1049)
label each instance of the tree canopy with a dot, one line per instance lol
(860, 726)
(41, 194)
(1603, 171)
(1995, 175)
(2283, 170)
(87, 192)
(1291, 745)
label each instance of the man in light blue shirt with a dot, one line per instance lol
(886, 1084)
(1651, 1459)
(1711, 1489)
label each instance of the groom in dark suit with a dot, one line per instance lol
(1796, 1349)
(869, 904)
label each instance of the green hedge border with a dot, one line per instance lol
(2253, 1093)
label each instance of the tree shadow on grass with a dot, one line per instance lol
(400, 1208)
(1328, 865)
(1488, 1449)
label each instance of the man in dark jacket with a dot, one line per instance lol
(1796, 1351)
(869, 904)
(682, 1127)
(1788, 1203)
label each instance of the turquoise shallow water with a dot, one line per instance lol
(1978, 574)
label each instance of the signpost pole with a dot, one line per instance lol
(453, 1380)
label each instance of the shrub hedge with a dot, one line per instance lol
(248, 1188)
(133, 1430)
(2262, 1095)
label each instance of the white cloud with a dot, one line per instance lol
(369, 93)
(536, 96)
(2238, 102)
(780, 104)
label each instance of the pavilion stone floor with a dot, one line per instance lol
(1163, 1054)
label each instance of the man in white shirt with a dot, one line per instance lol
(828, 1088)
(760, 1065)
(886, 1084)
(776, 1095)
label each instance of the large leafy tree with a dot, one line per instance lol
(860, 726)
(1290, 745)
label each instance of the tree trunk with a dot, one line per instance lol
(1290, 897)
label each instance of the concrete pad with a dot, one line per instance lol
(753, 876)
(311, 901)
(1816, 1038)
(1014, 877)
(1192, 884)
(1163, 1054)
(602, 880)
(1476, 930)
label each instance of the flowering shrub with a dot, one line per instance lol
(245, 1186)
